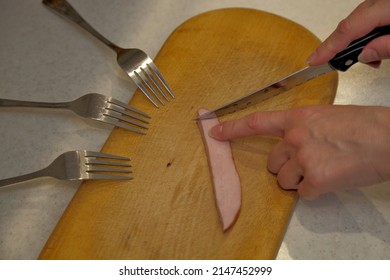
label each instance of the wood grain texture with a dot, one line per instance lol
(168, 211)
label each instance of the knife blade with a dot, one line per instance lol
(340, 62)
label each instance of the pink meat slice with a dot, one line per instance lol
(226, 182)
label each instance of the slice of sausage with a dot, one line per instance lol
(227, 187)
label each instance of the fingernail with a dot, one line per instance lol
(368, 56)
(361, 58)
(215, 131)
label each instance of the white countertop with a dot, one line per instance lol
(43, 57)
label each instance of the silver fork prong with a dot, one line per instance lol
(110, 120)
(93, 165)
(153, 79)
(160, 77)
(93, 168)
(104, 162)
(128, 114)
(128, 107)
(104, 155)
(119, 109)
(139, 84)
(97, 176)
(115, 115)
(145, 79)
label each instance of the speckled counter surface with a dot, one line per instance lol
(45, 58)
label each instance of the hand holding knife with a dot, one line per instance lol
(340, 62)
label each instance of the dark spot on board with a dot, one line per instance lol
(169, 163)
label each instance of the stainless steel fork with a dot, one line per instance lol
(93, 106)
(136, 63)
(79, 165)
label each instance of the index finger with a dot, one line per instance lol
(258, 123)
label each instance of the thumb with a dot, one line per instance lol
(376, 50)
(258, 123)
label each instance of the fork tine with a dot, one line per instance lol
(104, 155)
(113, 118)
(96, 176)
(115, 115)
(92, 160)
(119, 108)
(128, 107)
(104, 162)
(92, 168)
(153, 79)
(127, 120)
(145, 79)
(160, 77)
(117, 123)
(139, 84)
(123, 112)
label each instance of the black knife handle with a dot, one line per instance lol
(349, 56)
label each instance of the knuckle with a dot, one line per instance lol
(295, 137)
(228, 130)
(254, 121)
(314, 182)
(304, 158)
(344, 27)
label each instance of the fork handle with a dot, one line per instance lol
(32, 104)
(23, 178)
(63, 8)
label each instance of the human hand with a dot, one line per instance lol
(323, 148)
(366, 17)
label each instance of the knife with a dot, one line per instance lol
(341, 62)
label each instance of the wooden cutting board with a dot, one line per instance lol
(168, 211)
